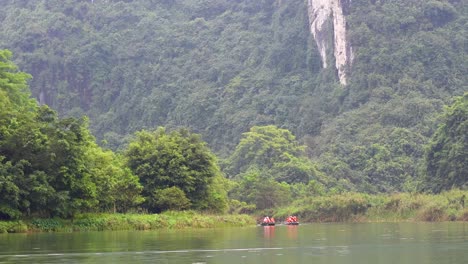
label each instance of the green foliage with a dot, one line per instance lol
(14, 91)
(119, 189)
(47, 225)
(274, 151)
(217, 200)
(178, 159)
(238, 207)
(358, 207)
(221, 68)
(409, 61)
(103, 222)
(260, 190)
(165, 52)
(9, 191)
(447, 154)
(51, 166)
(432, 213)
(301, 190)
(439, 13)
(373, 155)
(335, 208)
(13, 227)
(263, 146)
(172, 198)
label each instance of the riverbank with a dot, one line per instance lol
(360, 207)
(102, 222)
(347, 207)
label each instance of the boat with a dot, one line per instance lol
(268, 221)
(291, 220)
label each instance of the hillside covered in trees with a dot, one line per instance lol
(248, 77)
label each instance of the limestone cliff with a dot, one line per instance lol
(327, 17)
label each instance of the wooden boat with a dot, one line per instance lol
(291, 223)
(268, 224)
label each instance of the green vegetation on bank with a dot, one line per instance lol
(108, 222)
(52, 167)
(346, 207)
(360, 207)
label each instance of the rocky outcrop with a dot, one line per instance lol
(327, 19)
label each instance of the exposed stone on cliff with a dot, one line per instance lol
(327, 18)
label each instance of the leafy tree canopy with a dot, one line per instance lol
(51, 166)
(179, 160)
(14, 90)
(271, 149)
(447, 154)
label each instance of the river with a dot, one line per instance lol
(384, 243)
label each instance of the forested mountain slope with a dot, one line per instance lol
(221, 67)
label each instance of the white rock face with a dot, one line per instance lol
(320, 12)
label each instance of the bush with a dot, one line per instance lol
(13, 227)
(464, 215)
(172, 198)
(432, 213)
(47, 225)
(382, 207)
(334, 208)
(238, 207)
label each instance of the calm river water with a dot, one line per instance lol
(419, 243)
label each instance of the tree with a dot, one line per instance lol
(259, 189)
(14, 90)
(119, 189)
(272, 149)
(22, 189)
(178, 159)
(439, 13)
(9, 191)
(447, 154)
(51, 166)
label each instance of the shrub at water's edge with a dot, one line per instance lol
(13, 227)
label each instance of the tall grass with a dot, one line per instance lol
(358, 207)
(166, 220)
(101, 222)
(334, 208)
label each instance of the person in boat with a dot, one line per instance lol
(266, 219)
(291, 219)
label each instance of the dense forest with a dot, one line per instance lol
(217, 104)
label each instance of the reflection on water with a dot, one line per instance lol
(269, 232)
(292, 231)
(308, 243)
